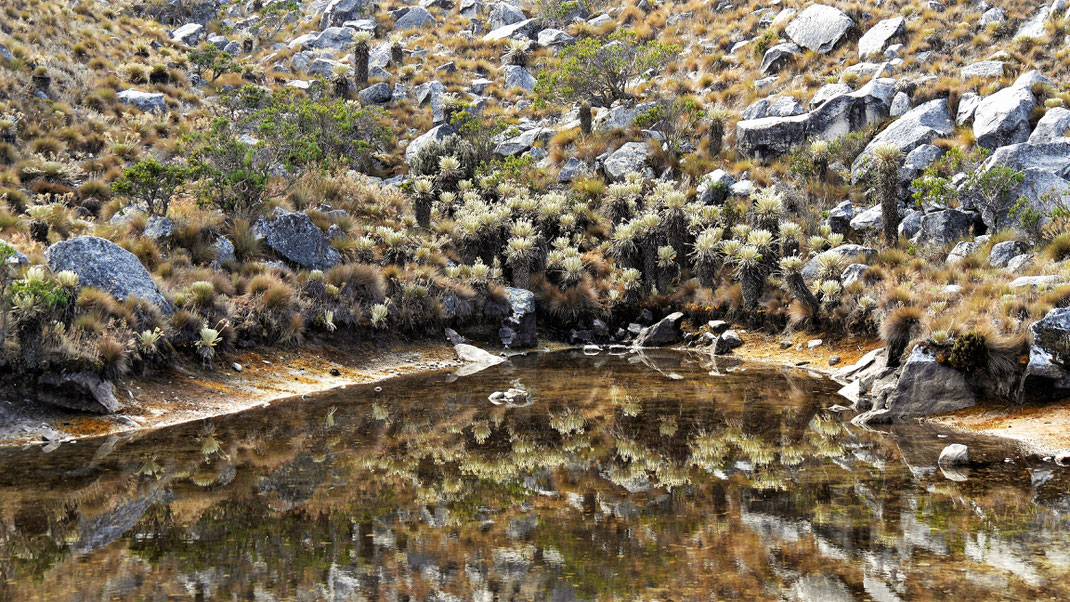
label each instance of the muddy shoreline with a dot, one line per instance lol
(187, 392)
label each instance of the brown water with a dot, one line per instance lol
(663, 476)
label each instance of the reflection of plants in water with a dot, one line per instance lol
(708, 451)
(667, 426)
(380, 413)
(150, 468)
(567, 422)
(480, 431)
(328, 419)
(630, 407)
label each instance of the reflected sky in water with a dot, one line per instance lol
(656, 476)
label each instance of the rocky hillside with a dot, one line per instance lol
(189, 176)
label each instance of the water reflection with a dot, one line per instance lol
(656, 476)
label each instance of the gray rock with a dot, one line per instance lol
(955, 454)
(941, 228)
(417, 18)
(910, 224)
(1020, 262)
(1053, 156)
(828, 91)
(340, 11)
(878, 36)
(926, 386)
(80, 391)
(522, 319)
(770, 137)
(900, 105)
(475, 359)
(1044, 380)
(1002, 253)
(378, 94)
(726, 342)
(470, 9)
(551, 38)
(621, 117)
(870, 219)
(918, 160)
(189, 34)
(332, 38)
(519, 77)
(840, 216)
(1035, 27)
(664, 332)
(436, 133)
(1036, 281)
(1041, 189)
(1052, 335)
(224, 249)
(819, 28)
(632, 156)
(848, 113)
(714, 187)
(146, 101)
(921, 125)
(295, 237)
(778, 57)
(967, 108)
(322, 67)
(519, 144)
(524, 30)
(572, 169)
(992, 16)
(853, 273)
(503, 14)
(1054, 124)
(983, 69)
(105, 265)
(961, 251)
(1002, 118)
(158, 228)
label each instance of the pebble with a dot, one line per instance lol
(814, 343)
(835, 359)
(786, 344)
(378, 389)
(236, 366)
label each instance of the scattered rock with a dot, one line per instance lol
(631, 157)
(1002, 118)
(726, 342)
(878, 36)
(819, 28)
(955, 454)
(80, 391)
(146, 101)
(105, 265)
(926, 386)
(665, 332)
(1002, 253)
(295, 237)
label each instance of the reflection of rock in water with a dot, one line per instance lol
(295, 482)
(98, 531)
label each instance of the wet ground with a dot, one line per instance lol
(663, 475)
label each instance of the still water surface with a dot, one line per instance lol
(664, 476)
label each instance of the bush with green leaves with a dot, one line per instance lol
(233, 174)
(152, 183)
(208, 59)
(601, 68)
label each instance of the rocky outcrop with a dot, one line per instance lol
(146, 101)
(920, 125)
(876, 39)
(519, 329)
(851, 112)
(417, 18)
(105, 265)
(945, 227)
(921, 387)
(1053, 125)
(1052, 334)
(631, 157)
(848, 251)
(340, 11)
(819, 28)
(1002, 118)
(80, 391)
(440, 132)
(297, 239)
(770, 137)
(664, 332)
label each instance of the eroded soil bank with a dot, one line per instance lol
(188, 392)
